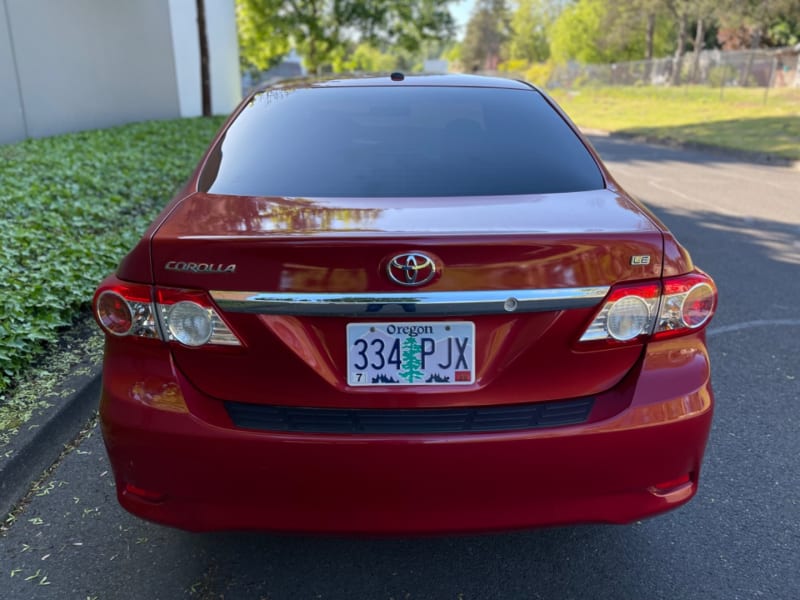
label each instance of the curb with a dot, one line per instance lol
(41, 440)
(730, 153)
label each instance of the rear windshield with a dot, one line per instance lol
(399, 141)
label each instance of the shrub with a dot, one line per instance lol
(516, 65)
(540, 73)
(70, 207)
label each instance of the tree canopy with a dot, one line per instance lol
(530, 24)
(487, 32)
(599, 31)
(323, 31)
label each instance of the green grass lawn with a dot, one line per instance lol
(739, 119)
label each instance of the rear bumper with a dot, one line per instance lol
(204, 474)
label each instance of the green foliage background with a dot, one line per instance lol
(609, 31)
(589, 32)
(326, 34)
(70, 207)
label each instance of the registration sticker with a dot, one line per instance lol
(403, 353)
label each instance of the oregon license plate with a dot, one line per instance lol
(402, 353)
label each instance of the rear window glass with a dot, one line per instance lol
(399, 141)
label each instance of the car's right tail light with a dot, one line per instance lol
(687, 303)
(635, 312)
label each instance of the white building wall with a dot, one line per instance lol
(12, 118)
(185, 47)
(226, 82)
(88, 64)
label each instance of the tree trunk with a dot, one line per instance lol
(651, 34)
(205, 77)
(677, 63)
(313, 62)
(698, 47)
(649, 40)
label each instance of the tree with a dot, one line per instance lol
(757, 16)
(575, 33)
(487, 31)
(529, 25)
(784, 32)
(640, 29)
(652, 12)
(684, 12)
(601, 31)
(369, 59)
(453, 56)
(411, 360)
(681, 11)
(322, 30)
(263, 37)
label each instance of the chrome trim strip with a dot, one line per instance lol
(408, 303)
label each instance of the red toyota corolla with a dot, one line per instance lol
(404, 305)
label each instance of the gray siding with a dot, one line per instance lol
(12, 123)
(84, 64)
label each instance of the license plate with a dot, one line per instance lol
(440, 353)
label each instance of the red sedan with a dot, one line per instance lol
(404, 305)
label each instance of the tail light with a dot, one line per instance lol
(688, 303)
(123, 310)
(187, 317)
(628, 313)
(654, 310)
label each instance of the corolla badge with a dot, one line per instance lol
(413, 268)
(199, 267)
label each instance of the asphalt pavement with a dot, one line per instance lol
(739, 538)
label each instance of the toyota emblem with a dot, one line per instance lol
(413, 268)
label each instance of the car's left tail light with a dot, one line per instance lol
(126, 310)
(189, 318)
(186, 317)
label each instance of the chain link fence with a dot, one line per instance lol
(747, 68)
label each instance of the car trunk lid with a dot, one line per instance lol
(261, 259)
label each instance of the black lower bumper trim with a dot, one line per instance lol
(409, 421)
